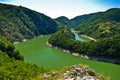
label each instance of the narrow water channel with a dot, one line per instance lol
(77, 37)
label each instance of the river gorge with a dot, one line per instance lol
(37, 52)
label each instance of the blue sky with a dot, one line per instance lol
(68, 8)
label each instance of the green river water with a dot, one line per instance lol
(37, 52)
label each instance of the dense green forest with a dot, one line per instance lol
(107, 47)
(12, 66)
(18, 23)
(63, 21)
(11, 69)
(99, 25)
(61, 38)
(9, 49)
(82, 18)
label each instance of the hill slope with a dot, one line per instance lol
(18, 23)
(12, 66)
(83, 18)
(101, 24)
(63, 21)
(107, 48)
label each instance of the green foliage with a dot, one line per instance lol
(11, 69)
(81, 19)
(99, 25)
(108, 47)
(12, 66)
(57, 39)
(65, 22)
(9, 48)
(18, 23)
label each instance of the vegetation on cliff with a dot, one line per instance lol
(108, 47)
(12, 65)
(18, 23)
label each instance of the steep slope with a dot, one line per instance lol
(18, 23)
(61, 38)
(63, 21)
(9, 49)
(12, 66)
(100, 25)
(107, 48)
(82, 18)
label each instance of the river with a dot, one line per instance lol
(37, 52)
(77, 37)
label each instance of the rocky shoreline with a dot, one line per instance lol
(64, 50)
(116, 61)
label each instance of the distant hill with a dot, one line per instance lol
(99, 25)
(83, 18)
(63, 21)
(18, 23)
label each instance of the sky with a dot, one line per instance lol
(68, 8)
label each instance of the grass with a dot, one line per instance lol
(37, 52)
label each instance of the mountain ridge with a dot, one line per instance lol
(98, 25)
(18, 23)
(63, 21)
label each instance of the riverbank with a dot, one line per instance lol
(103, 59)
(115, 61)
(64, 50)
(84, 36)
(88, 37)
(36, 51)
(68, 51)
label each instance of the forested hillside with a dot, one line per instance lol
(12, 66)
(61, 38)
(9, 49)
(81, 19)
(107, 47)
(99, 25)
(65, 22)
(18, 23)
